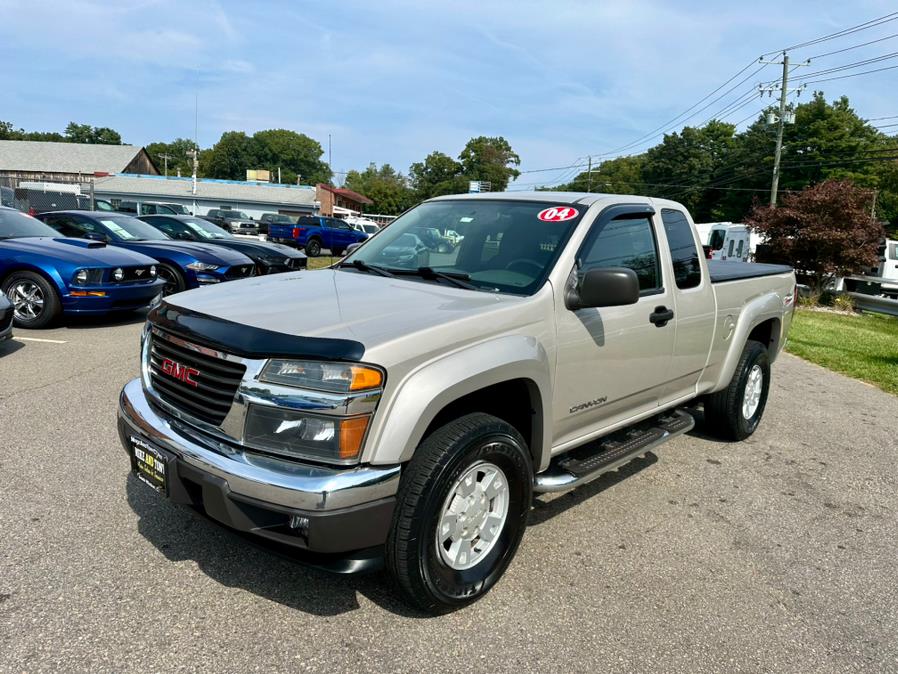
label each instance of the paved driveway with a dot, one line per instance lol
(774, 554)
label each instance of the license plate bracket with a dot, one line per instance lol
(150, 464)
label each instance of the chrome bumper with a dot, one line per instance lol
(265, 478)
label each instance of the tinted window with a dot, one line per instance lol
(14, 224)
(687, 269)
(717, 237)
(625, 242)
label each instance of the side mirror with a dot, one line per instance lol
(95, 236)
(603, 287)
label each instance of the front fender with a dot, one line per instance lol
(46, 269)
(425, 391)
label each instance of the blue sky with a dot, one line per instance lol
(393, 81)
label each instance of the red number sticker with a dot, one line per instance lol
(558, 214)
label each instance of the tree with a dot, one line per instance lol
(177, 155)
(295, 154)
(824, 231)
(437, 174)
(622, 175)
(232, 155)
(388, 189)
(490, 159)
(85, 133)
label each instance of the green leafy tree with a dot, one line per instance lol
(177, 152)
(295, 154)
(622, 175)
(437, 174)
(85, 133)
(232, 155)
(388, 189)
(823, 231)
(490, 159)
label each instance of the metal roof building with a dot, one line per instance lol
(253, 198)
(68, 162)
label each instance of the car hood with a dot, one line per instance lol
(260, 248)
(240, 221)
(81, 252)
(365, 308)
(204, 252)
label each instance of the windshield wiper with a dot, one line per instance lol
(364, 266)
(457, 278)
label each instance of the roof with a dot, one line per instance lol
(44, 157)
(348, 194)
(159, 188)
(584, 198)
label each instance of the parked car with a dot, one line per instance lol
(316, 232)
(150, 208)
(406, 250)
(6, 317)
(270, 258)
(273, 218)
(182, 264)
(236, 222)
(104, 205)
(45, 275)
(7, 197)
(405, 415)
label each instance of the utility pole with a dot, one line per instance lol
(165, 158)
(782, 119)
(589, 175)
(196, 164)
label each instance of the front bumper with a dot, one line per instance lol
(117, 297)
(6, 317)
(333, 510)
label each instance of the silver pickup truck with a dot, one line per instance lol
(403, 406)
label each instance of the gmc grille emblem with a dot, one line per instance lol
(180, 372)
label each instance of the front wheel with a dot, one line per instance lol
(735, 412)
(313, 248)
(35, 301)
(461, 512)
(174, 279)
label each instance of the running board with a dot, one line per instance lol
(586, 463)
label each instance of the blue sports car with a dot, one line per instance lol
(44, 275)
(182, 264)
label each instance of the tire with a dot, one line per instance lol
(727, 413)
(483, 450)
(338, 252)
(174, 279)
(313, 248)
(36, 302)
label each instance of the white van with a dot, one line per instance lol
(888, 270)
(727, 241)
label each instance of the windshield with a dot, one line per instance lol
(504, 246)
(14, 224)
(235, 214)
(126, 228)
(206, 230)
(370, 229)
(717, 238)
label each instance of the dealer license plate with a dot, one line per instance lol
(150, 464)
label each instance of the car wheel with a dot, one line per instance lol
(174, 279)
(461, 512)
(338, 252)
(735, 412)
(313, 248)
(36, 303)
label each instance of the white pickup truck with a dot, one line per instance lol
(403, 406)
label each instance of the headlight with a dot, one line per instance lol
(202, 266)
(118, 274)
(330, 439)
(331, 377)
(84, 277)
(153, 271)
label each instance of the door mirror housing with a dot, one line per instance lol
(95, 236)
(603, 287)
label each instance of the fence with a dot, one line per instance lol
(36, 196)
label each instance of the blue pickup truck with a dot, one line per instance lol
(316, 232)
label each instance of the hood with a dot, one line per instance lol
(204, 252)
(80, 252)
(260, 248)
(364, 308)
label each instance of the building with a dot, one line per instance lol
(69, 162)
(253, 198)
(339, 202)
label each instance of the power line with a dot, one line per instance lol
(863, 44)
(849, 66)
(872, 23)
(842, 77)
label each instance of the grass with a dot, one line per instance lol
(862, 346)
(321, 262)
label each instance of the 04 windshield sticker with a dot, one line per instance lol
(557, 214)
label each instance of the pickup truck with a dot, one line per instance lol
(316, 232)
(380, 413)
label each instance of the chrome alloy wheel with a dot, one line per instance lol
(754, 386)
(27, 299)
(473, 516)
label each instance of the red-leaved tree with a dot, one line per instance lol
(824, 231)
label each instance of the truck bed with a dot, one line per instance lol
(721, 271)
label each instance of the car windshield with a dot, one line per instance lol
(206, 230)
(369, 229)
(280, 218)
(14, 224)
(126, 228)
(505, 246)
(235, 214)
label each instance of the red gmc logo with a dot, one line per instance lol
(180, 372)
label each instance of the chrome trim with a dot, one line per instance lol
(286, 483)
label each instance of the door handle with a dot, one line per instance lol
(660, 316)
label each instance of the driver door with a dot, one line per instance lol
(612, 361)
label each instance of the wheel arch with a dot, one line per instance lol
(50, 274)
(760, 320)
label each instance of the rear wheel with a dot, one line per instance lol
(313, 248)
(174, 279)
(461, 512)
(35, 301)
(735, 412)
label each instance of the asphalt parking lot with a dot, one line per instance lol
(774, 554)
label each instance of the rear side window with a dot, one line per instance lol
(683, 252)
(626, 242)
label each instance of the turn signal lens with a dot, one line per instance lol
(365, 378)
(352, 433)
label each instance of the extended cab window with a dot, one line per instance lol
(625, 242)
(683, 252)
